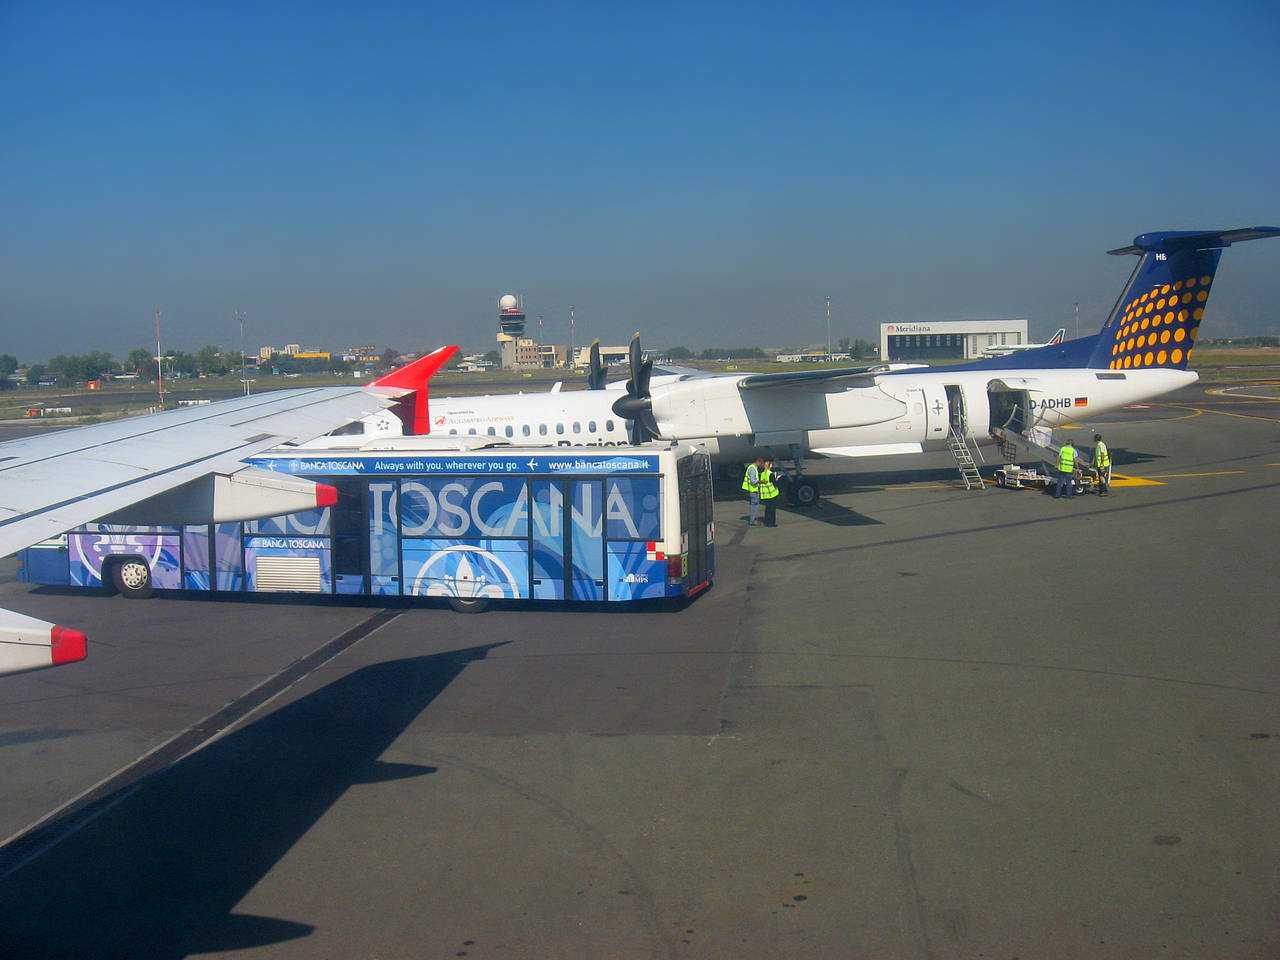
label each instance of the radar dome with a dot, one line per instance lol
(508, 302)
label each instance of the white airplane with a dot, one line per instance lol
(1008, 348)
(1140, 352)
(180, 466)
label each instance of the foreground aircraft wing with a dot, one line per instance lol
(825, 381)
(192, 456)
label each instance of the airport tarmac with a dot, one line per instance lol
(915, 722)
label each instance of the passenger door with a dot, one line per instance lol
(567, 537)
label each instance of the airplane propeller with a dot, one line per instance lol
(637, 405)
(595, 370)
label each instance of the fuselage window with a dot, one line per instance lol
(591, 426)
(577, 427)
(471, 432)
(524, 429)
(453, 433)
(492, 431)
(608, 425)
(510, 432)
(542, 429)
(559, 428)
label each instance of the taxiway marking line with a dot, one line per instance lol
(1170, 476)
(1221, 413)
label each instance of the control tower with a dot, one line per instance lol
(514, 348)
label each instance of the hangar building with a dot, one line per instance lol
(949, 339)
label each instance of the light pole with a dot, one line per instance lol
(828, 328)
(244, 370)
(159, 360)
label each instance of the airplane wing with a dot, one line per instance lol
(824, 381)
(56, 481)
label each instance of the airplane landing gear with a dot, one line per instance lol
(801, 490)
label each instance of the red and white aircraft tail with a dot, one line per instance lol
(415, 376)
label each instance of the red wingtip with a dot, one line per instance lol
(67, 645)
(326, 495)
(414, 376)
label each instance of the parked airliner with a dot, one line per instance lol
(1140, 352)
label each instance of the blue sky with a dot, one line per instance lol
(705, 173)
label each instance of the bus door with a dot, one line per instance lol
(567, 533)
(697, 531)
(350, 540)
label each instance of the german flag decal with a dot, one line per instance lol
(1082, 401)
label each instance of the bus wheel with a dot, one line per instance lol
(132, 578)
(804, 493)
(469, 604)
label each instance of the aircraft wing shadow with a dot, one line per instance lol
(159, 870)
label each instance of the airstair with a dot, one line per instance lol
(964, 461)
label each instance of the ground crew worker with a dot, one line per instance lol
(1102, 463)
(769, 494)
(1066, 470)
(751, 484)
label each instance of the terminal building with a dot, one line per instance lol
(949, 339)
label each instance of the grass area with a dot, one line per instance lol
(1236, 363)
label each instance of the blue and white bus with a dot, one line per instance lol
(471, 526)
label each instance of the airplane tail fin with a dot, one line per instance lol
(1058, 337)
(415, 376)
(1155, 321)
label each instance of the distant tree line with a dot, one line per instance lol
(1245, 342)
(857, 348)
(716, 353)
(65, 369)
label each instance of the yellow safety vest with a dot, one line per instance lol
(768, 489)
(747, 485)
(1067, 458)
(1101, 456)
